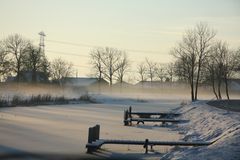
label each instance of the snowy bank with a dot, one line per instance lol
(209, 124)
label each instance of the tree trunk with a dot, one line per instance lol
(213, 82)
(18, 73)
(192, 92)
(99, 82)
(192, 81)
(192, 88)
(219, 88)
(110, 80)
(214, 90)
(197, 81)
(226, 87)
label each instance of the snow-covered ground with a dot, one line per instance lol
(209, 124)
(61, 130)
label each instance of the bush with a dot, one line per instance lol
(3, 102)
(87, 98)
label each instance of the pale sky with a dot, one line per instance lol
(150, 28)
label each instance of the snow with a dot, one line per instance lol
(209, 124)
(63, 129)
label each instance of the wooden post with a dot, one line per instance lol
(93, 135)
(97, 132)
(90, 135)
(125, 117)
(130, 112)
(146, 146)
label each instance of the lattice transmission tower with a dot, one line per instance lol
(41, 44)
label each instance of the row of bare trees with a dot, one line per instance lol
(200, 57)
(18, 54)
(113, 64)
(221, 65)
(155, 71)
(109, 63)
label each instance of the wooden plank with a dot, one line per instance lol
(97, 144)
(164, 143)
(155, 113)
(135, 142)
(154, 120)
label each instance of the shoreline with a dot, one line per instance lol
(208, 123)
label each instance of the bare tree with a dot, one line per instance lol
(141, 69)
(109, 63)
(151, 69)
(45, 66)
(96, 62)
(192, 53)
(17, 46)
(219, 53)
(204, 37)
(222, 63)
(210, 73)
(170, 71)
(5, 63)
(110, 59)
(186, 61)
(231, 62)
(34, 61)
(60, 69)
(123, 65)
(161, 72)
(180, 71)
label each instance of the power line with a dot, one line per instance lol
(67, 53)
(73, 54)
(95, 46)
(71, 43)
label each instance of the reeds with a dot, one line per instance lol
(43, 100)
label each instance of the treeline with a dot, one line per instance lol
(199, 58)
(113, 65)
(19, 55)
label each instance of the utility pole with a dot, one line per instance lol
(41, 44)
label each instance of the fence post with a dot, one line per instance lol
(130, 112)
(97, 132)
(90, 135)
(146, 146)
(125, 117)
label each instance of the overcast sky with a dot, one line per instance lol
(144, 28)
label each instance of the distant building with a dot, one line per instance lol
(149, 84)
(84, 82)
(158, 84)
(27, 76)
(123, 85)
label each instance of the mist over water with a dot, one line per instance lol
(139, 93)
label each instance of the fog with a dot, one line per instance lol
(140, 93)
